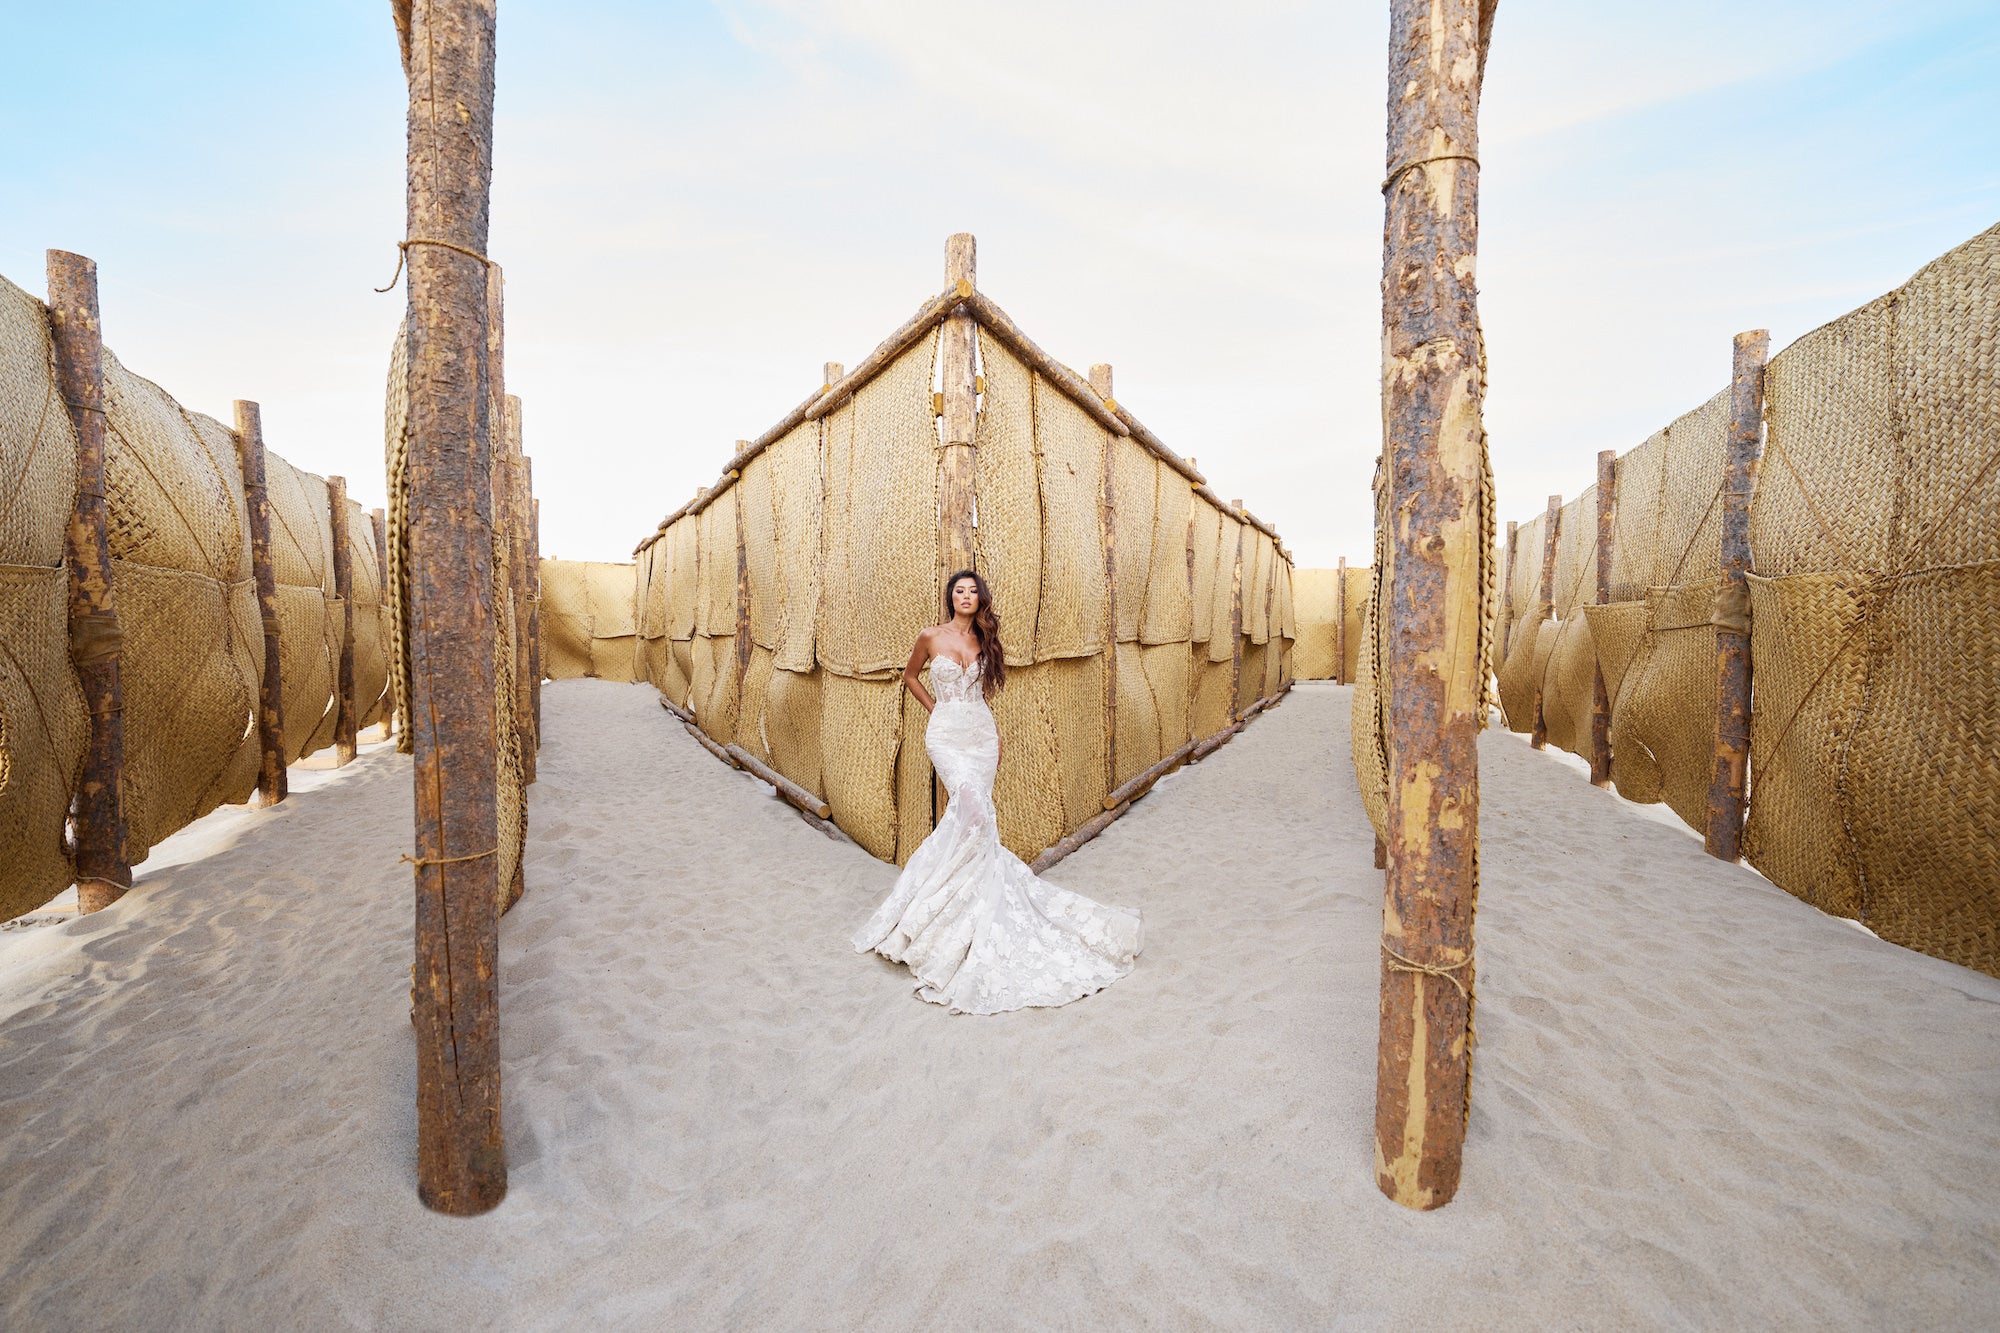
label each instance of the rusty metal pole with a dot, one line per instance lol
(461, 1158)
(1600, 699)
(272, 778)
(1100, 384)
(1437, 557)
(379, 520)
(1728, 779)
(1545, 608)
(957, 470)
(345, 740)
(96, 638)
(1340, 623)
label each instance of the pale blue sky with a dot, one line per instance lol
(698, 204)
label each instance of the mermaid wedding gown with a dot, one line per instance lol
(979, 930)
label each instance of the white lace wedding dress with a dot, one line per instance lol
(979, 930)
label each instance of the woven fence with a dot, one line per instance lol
(1141, 615)
(1874, 533)
(193, 650)
(589, 625)
(1327, 648)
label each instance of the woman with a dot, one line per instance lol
(979, 930)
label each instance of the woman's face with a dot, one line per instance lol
(965, 597)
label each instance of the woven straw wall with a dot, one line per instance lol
(590, 619)
(1875, 614)
(842, 548)
(1313, 600)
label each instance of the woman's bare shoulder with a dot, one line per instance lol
(926, 638)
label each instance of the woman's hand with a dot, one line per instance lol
(920, 656)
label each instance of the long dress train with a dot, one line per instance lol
(979, 930)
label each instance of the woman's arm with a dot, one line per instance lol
(920, 656)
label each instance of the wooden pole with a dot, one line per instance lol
(96, 638)
(1236, 621)
(379, 520)
(1100, 384)
(522, 588)
(535, 603)
(272, 782)
(1545, 607)
(1507, 592)
(447, 48)
(742, 604)
(1728, 779)
(785, 787)
(1600, 698)
(1340, 623)
(345, 745)
(957, 470)
(1435, 449)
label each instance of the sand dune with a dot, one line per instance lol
(1697, 1102)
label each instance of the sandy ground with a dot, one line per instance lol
(1698, 1103)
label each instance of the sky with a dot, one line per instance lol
(697, 204)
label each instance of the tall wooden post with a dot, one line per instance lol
(1600, 698)
(1236, 619)
(743, 640)
(1435, 552)
(1507, 592)
(1340, 623)
(345, 745)
(379, 521)
(957, 471)
(1728, 779)
(1545, 607)
(535, 602)
(517, 545)
(461, 1159)
(97, 808)
(272, 780)
(1100, 384)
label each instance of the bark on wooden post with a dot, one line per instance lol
(97, 808)
(379, 520)
(1600, 698)
(742, 597)
(1436, 554)
(1100, 383)
(956, 466)
(1727, 780)
(1340, 622)
(1236, 618)
(535, 601)
(1545, 608)
(461, 1159)
(272, 781)
(345, 744)
(517, 546)
(1507, 592)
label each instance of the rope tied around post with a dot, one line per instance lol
(1448, 971)
(403, 248)
(421, 861)
(1389, 181)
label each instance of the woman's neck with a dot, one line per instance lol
(962, 622)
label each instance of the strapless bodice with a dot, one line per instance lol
(955, 684)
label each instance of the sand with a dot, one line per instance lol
(1698, 1102)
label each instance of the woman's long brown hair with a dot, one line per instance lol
(986, 629)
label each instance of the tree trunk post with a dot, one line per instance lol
(345, 733)
(461, 1157)
(957, 473)
(1545, 607)
(1728, 779)
(1600, 698)
(1236, 618)
(517, 545)
(272, 781)
(1507, 592)
(379, 520)
(535, 601)
(1437, 556)
(97, 807)
(1100, 384)
(743, 640)
(1340, 623)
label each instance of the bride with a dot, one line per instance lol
(981, 933)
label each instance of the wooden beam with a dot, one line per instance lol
(790, 790)
(345, 745)
(461, 1158)
(958, 461)
(96, 638)
(378, 519)
(1435, 555)
(1059, 376)
(1340, 623)
(1600, 699)
(1507, 592)
(1236, 622)
(535, 605)
(1063, 846)
(1728, 779)
(521, 588)
(710, 745)
(272, 782)
(1133, 788)
(1545, 608)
